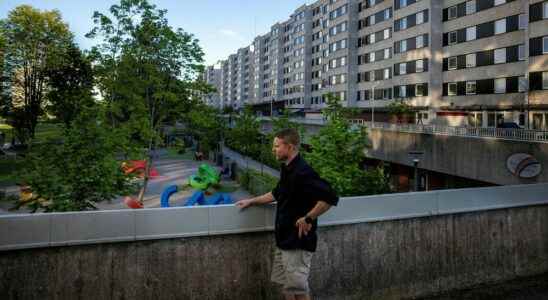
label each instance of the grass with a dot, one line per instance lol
(44, 131)
(10, 171)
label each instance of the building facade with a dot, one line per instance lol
(454, 62)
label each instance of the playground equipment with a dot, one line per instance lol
(138, 167)
(198, 198)
(207, 182)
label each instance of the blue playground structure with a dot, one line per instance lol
(198, 198)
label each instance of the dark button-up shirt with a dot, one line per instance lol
(297, 192)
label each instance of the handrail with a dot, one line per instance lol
(515, 134)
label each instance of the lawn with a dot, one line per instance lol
(44, 131)
(10, 169)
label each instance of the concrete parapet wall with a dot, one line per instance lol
(377, 247)
(481, 159)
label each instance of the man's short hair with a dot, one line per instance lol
(289, 136)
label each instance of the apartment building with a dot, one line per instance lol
(455, 62)
(212, 76)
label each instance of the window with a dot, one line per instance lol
(386, 33)
(500, 56)
(420, 17)
(403, 90)
(471, 60)
(372, 38)
(522, 84)
(403, 69)
(420, 41)
(500, 85)
(452, 12)
(470, 7)
(470, 87)
(452, 89)
(387, 53)
(471, 33)
(372, 57)
(419, 66)
(452, 63)
(499, 2)
(419, 90)
(521, 52)
(500, 26)
(403, 46)
(522, 21)
(403, 23)
(545, 10)
(545, 80)
(387, 73)
(452, 37)
(545, 45)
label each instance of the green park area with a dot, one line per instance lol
(75, 121)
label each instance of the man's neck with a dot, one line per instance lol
(291, 157)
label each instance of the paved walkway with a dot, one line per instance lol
(247, 162)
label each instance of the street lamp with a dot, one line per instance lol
(415, 157)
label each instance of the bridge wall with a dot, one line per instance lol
(377, 247)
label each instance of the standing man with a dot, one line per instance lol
(301, 196)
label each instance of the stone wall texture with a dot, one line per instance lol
(375, 260)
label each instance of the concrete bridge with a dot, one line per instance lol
(475, 154)
(377, 247)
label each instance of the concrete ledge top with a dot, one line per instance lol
(23, 231)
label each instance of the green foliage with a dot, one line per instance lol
(33, 42)
(399, 109)
(255, 182)
(205, 124)
(79, 172)
(338, 152)
(70, 86)
(145, 71)
(245, 136)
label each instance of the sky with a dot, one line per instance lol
(221, 26)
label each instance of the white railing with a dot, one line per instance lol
(515, 134)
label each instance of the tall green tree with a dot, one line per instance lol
(33, 42)
(337, 154)
(70, 86)
(144, 69)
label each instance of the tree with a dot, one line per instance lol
(205, 124)
(399, 110)
(78, 173)
(34, 40)
(245, 136)
(144, 68)
(337, 153)
(70, 86)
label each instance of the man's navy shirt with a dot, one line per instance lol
(297, 192)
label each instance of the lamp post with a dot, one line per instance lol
(373, 107)
(416, 156)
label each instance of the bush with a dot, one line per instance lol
(79, 172)
(255, 182)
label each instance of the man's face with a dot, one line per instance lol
(281, 149)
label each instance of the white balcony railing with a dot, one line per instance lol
(515, 134)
